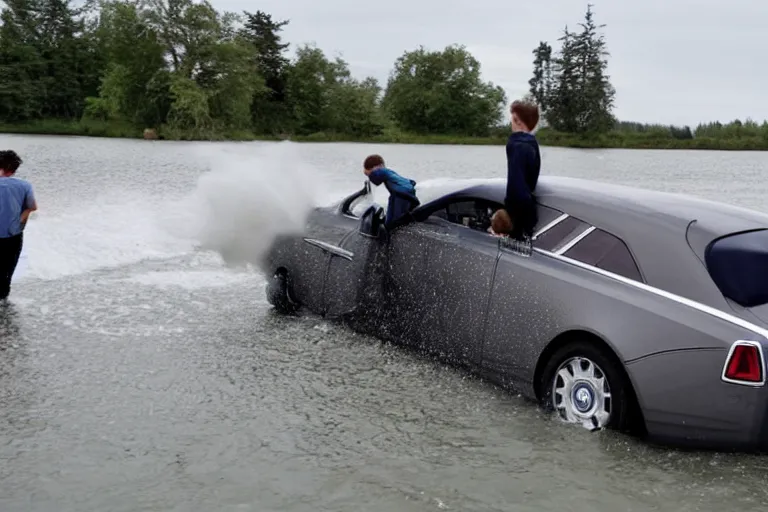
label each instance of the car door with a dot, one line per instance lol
(407, 284)
(318, 247)
(516, 310)
(353, 280)
(441, 271)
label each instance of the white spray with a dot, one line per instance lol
(251, 196)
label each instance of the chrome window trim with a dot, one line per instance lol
(333, 249)
(549, 226)
(728, 358)
(722, 315)
(578, 238)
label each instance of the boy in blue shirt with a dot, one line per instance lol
(402, 191)
(17, 201)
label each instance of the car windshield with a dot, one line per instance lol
(737, 265)
(378, 196)
(361, 204)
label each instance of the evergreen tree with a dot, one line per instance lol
(597, 93)
(565, 103)
(541, 83)
(269, 109)
(264, 34)
(575, 93)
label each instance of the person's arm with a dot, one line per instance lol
(30, 205)
(517, 189)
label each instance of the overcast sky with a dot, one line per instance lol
(672, 61)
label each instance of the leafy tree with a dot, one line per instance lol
(47, 61)
(232, 82)
(136, 69)
(175, 62)
(325, 98)
(191, 71)
(189, 112)
(354, 107)
(21, 63)
(442, 92)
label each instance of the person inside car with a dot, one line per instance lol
(402, 191)
(501, 223)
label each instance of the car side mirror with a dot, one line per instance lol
(372, 222)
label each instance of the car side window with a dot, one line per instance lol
(605, 251)
(471, 213)
(546, 215)
(559, 234)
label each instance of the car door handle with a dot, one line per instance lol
(333, 249)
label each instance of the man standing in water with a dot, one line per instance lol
(523, 166)
(17, 201)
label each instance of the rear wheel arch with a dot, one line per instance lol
(581, 337)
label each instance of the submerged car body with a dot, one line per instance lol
(632, 308)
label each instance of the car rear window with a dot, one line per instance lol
(606, 251)
(738, 264)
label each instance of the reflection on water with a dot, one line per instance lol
(140, 373)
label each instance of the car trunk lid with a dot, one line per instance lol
(737, 263)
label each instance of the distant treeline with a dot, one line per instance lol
(736, 135)
(180, 69)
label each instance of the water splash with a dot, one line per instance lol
(249, 197)
(112, 229)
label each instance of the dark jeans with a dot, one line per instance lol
(524, 220)
(10, 249)
(399, 205)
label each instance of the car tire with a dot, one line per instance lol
(279, 293)
(578, 401)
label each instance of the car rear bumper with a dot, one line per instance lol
(685, 403)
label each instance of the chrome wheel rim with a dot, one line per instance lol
(580, 393)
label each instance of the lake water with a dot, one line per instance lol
(139, 372)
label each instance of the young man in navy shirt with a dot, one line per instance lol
(17, 201)
(402, 191)
(523, 167)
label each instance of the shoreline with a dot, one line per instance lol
(611, 140)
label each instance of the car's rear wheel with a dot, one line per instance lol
(279, 293)
(585, 385)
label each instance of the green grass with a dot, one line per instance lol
(546, 137)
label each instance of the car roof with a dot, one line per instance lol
(605, 204)
(653, 224)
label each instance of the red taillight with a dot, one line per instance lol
(744, 364)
